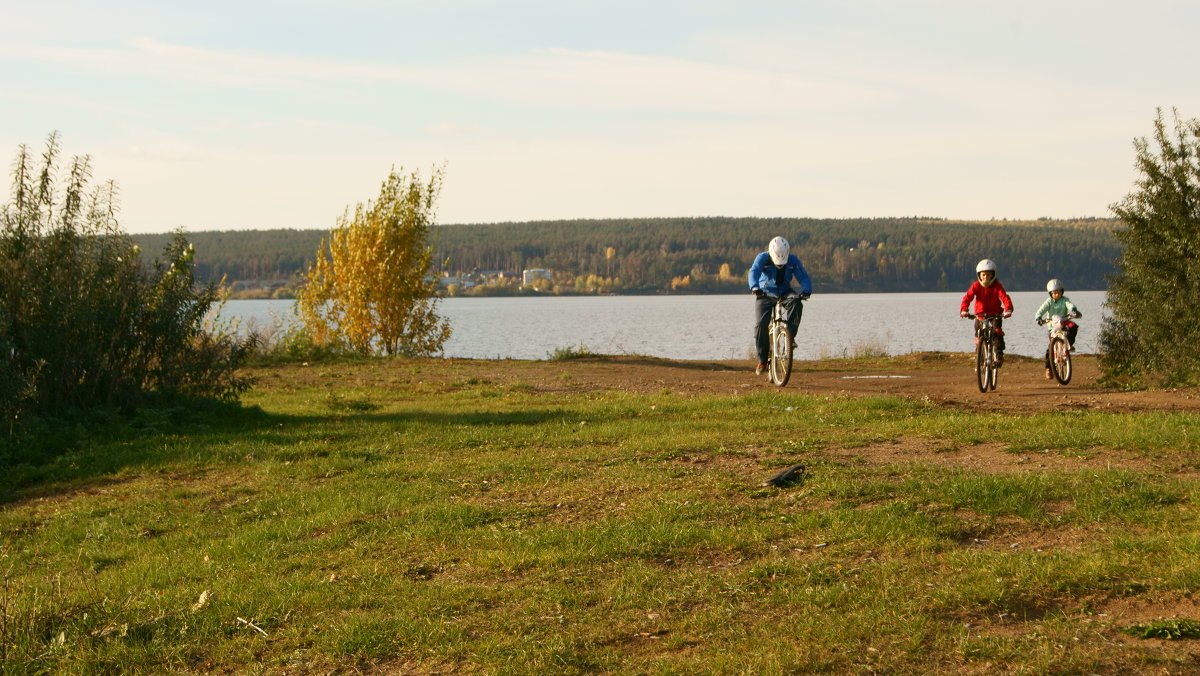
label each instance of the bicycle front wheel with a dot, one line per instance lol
(1060, 360)
(981, 365)
(781, 355)
(993, 371)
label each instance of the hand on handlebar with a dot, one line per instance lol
(1007, 314)
(1041, 321)
(966, 315)
(804, 296)
(758, 293)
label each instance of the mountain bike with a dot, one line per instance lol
(779, 363)
(986, 350)
(1059, 351)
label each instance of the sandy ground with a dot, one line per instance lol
(944, 378)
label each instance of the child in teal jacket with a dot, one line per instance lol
(1058, 304)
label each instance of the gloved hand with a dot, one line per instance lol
(804, 296)
(758, 293)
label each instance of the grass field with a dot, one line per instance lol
(370, 518)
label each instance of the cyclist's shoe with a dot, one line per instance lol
(1049, 375)
(758, 370)
(999, 359)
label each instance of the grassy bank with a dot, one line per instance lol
(372, 518)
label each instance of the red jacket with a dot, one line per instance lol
(988, 299)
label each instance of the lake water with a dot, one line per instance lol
(716, 327)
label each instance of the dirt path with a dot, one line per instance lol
(945, 378)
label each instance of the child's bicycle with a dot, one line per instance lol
(779, 364)
(986, 350)
(1059, 351)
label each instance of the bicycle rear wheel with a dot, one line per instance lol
(781, 354)
(981, 365)
(1060, 360)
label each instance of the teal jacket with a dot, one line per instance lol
(1061, 307)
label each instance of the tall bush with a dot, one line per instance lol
(83, 322)
(369, 289)
(1150, 333)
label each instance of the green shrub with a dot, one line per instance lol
(294, 344)
(1148, 338)
(83, 322)
(572, 352)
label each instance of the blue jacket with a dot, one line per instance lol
(764, 275)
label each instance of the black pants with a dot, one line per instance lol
(1072, 330)
(762, 312)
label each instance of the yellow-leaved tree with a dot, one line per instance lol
(368, 290)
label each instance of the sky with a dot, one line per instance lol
(254, 114)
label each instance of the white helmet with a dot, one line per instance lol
(1053, 285)
(985, 265)
(779, 249)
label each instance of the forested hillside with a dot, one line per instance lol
(264, 255)
(705, 255)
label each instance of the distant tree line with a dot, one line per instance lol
(841, 255)
(711, 255)
(247, 254)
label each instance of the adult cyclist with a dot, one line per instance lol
(771, 275)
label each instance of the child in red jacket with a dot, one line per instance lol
(990, 299)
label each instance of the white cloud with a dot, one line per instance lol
(452, 128)
(605, 80)
(149, 57)
(554, 78)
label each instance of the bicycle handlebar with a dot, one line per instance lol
(1042, 321)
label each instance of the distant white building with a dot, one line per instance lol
(446, 281)
(530, 276)
(491, 275)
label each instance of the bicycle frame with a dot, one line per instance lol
(986, 371)
(780, 338)
(1059, 350)
(989, 329)
(1058, 327)
(779, 312)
